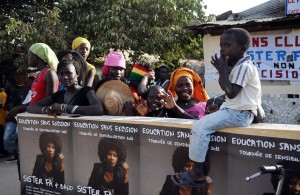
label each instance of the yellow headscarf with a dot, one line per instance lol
(44, 52)
(199, 92)
(78, 41)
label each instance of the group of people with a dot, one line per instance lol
(65, 85)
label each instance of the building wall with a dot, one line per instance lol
(278, 106)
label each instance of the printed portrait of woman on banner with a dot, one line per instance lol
(110, 176)
(49, 166)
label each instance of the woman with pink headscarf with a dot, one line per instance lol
(113, 68)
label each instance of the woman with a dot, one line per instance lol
(159, 104)
(111, 175)
(83, 46)
(49, 166)
(191, 95)
(74, 100)
(42, 57)
(182, 163)
(113, 69)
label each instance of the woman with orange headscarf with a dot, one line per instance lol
(83, 46)
(187, 88)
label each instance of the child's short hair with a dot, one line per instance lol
(242, 36)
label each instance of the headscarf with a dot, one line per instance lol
(114, 59)
(78, 41)
(199, 92)
(44, 52)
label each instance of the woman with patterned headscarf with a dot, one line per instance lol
(187, 87)
(83, 46)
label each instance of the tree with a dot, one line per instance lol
(143, 26)
(26, 22)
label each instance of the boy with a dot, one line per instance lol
(239, 79)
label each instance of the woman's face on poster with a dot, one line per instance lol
(112, 158)
(50, 150)
(188, 166)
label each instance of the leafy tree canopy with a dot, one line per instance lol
(143, 26)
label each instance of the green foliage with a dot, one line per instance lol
(143, 26)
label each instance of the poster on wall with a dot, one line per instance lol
(277, 57)
(84, 156)
(292, 7)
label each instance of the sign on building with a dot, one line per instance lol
(292, 7)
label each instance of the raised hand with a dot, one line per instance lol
(167, 100)
(219, 63)
(141, 107)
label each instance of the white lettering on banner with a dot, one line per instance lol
(252, 143)
(289, 147)
(44, 122)
(159, 132)
(220, 139)
(86, 125)
(181, 144)
(182, 134)
(28, 121)
(154, 141)
(28, 129)
(32, 179)
(87, 190)
(61, 123)
(49, 130)
(277, 57)
(249, 153)
(112, 136)
(289, 158)
(126, 129)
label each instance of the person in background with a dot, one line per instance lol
(156, 73)
(83, 46)
(10, 136)
(163, 72)
(113, 69)
(146, 81)
(139, 70)
(45, 83)
(74, 100)
(191, 95)
(3, 98)
(182, 163)
(110, 176)
(29, 82)
(242, 90)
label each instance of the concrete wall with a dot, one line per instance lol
(279, 108)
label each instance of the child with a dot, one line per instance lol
(242, 89)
